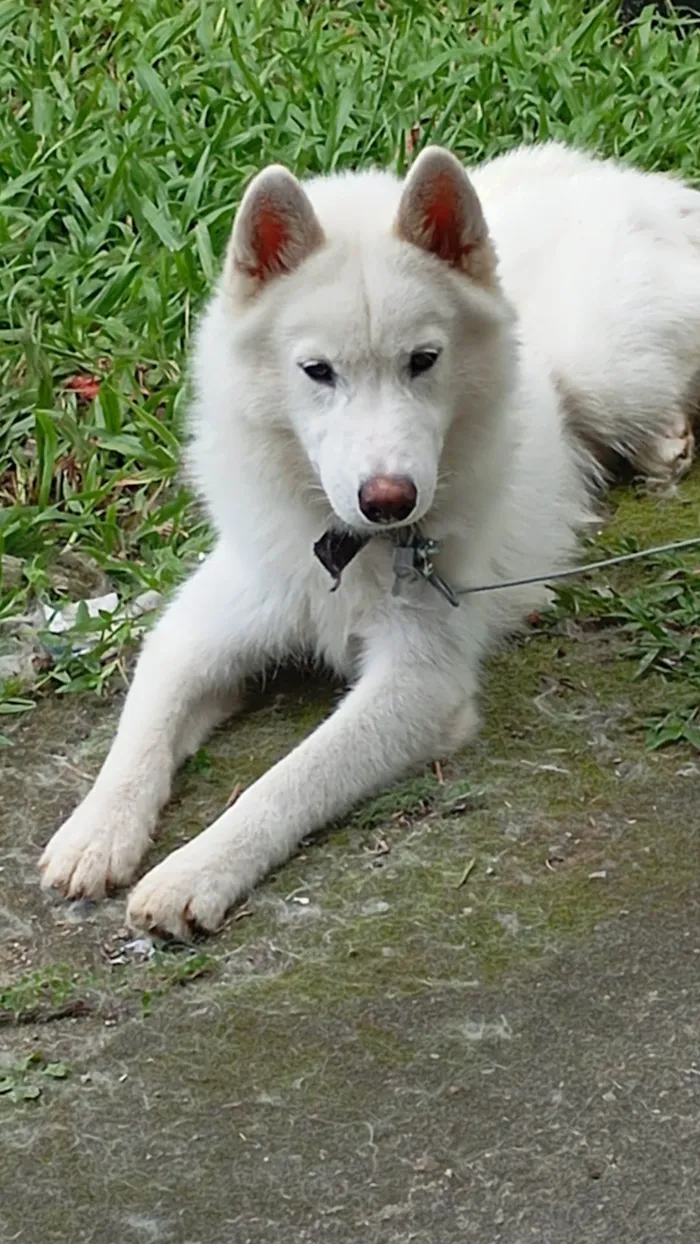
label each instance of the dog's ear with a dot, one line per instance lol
(440, 212)
(274, 231)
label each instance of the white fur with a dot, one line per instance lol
(602, 265)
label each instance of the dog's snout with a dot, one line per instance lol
(388, 498)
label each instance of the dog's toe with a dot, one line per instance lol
(97, 849)
(178, 900)
(667, 458)
(676, 452)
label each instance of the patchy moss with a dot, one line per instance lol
(27, 1079)
(51, 985)
(654, 518)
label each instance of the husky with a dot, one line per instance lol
(424, 381)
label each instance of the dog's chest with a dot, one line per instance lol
(342, 614)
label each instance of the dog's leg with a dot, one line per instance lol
(667, 455)
(217, 630)
(409, 706)
(656, 441)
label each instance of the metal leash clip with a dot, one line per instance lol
(413, 560)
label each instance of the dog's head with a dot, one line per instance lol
(373, 319)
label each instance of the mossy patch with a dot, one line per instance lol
(654, 518)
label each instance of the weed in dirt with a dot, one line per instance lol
(658, 613)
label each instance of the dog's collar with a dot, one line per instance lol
(413, 554)
(336, 549)
(412, 560)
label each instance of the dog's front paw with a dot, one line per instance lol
(190, 892)
(97, 849)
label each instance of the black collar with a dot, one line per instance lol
(413, 557)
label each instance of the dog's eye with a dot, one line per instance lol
(422, 360)
(319, 371)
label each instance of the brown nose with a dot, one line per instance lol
(387, 498)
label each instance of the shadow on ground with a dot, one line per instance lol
(469, 1014)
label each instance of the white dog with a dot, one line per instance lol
(449, 357)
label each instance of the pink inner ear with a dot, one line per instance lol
(270, 236)
(442, 220)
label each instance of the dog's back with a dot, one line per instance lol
(602, 263)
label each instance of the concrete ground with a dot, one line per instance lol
(471, 1013)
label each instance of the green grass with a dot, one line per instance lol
(126, 134)
(659, 614)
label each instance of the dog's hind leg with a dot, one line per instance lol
(218, 629)
(668, 456)
(658, 446)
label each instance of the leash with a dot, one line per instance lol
(414, 553)
(423, 550)
(673, 547)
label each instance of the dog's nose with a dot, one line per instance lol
(387, 498)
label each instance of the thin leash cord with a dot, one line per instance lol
(573, 571)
